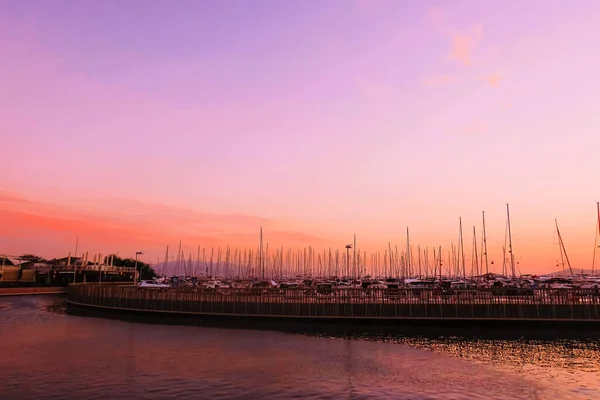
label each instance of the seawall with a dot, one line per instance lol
(345, 311)
(40, 290)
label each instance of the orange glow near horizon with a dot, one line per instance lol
(315, 121)
(51, 230)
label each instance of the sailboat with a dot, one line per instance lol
(596, 242)
(592, 281)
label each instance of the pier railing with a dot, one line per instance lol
(523, 304)
(103, 268)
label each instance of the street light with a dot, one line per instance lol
(137, 253)
(348, 247)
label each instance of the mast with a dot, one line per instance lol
(434, 263)
(462, 248)
(564, 251)
(354, 261)
(476, 259)
(596, 237)
(419, 258)
(408, 253)
(390, 250)
(504, 260)
(178, 259)
(212, 253)
(197, 262)
(260, 254)
(440, 258)
(166, 261)
(510, 247)
(485, 245)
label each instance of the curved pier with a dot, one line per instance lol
(378, 310)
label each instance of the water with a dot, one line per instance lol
(47, 354)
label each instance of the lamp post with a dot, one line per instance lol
(137, 253)
(348, 247)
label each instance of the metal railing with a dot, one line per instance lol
(103, 268)
(527, 304)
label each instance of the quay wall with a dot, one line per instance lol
(16, 289)
(538, 306)
(23, 291)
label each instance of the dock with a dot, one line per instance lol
(26, 291)
(535, 308)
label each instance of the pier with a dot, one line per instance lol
(532, 307)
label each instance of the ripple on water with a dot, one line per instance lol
(51, 355)
(560, 367)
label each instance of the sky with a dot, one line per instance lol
(131, 125)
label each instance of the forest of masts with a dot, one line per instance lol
(406, 262)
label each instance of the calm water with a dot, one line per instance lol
(47, 354)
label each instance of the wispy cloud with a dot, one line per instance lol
(34, 226)
(464, 44)
(494, 80)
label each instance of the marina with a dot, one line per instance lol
(540, 308)
(336, 287)
(273, 200)
(408, 266)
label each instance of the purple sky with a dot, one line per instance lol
(331, 116)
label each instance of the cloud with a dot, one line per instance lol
(464, 44)
(494, 80)
(12, 197)
(51, 229)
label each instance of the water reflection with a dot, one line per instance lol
(571, 364)
(98, 358)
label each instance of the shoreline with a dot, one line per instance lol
(434, 327)
(37, 291)
(544, 313)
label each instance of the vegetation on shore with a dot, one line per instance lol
(146, 271)
(33, 258)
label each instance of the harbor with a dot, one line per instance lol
(406, 266)
(31, 274)
(273, 200)
(333, 287)
(374, 307)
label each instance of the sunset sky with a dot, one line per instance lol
(136, 124)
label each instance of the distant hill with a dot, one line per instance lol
(195, 268)
(576, 271)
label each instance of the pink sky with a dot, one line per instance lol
(134, 127)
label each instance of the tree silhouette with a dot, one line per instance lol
(32, 258)
(146, 271)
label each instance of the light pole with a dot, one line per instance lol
(137, 253)
(348, 247)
